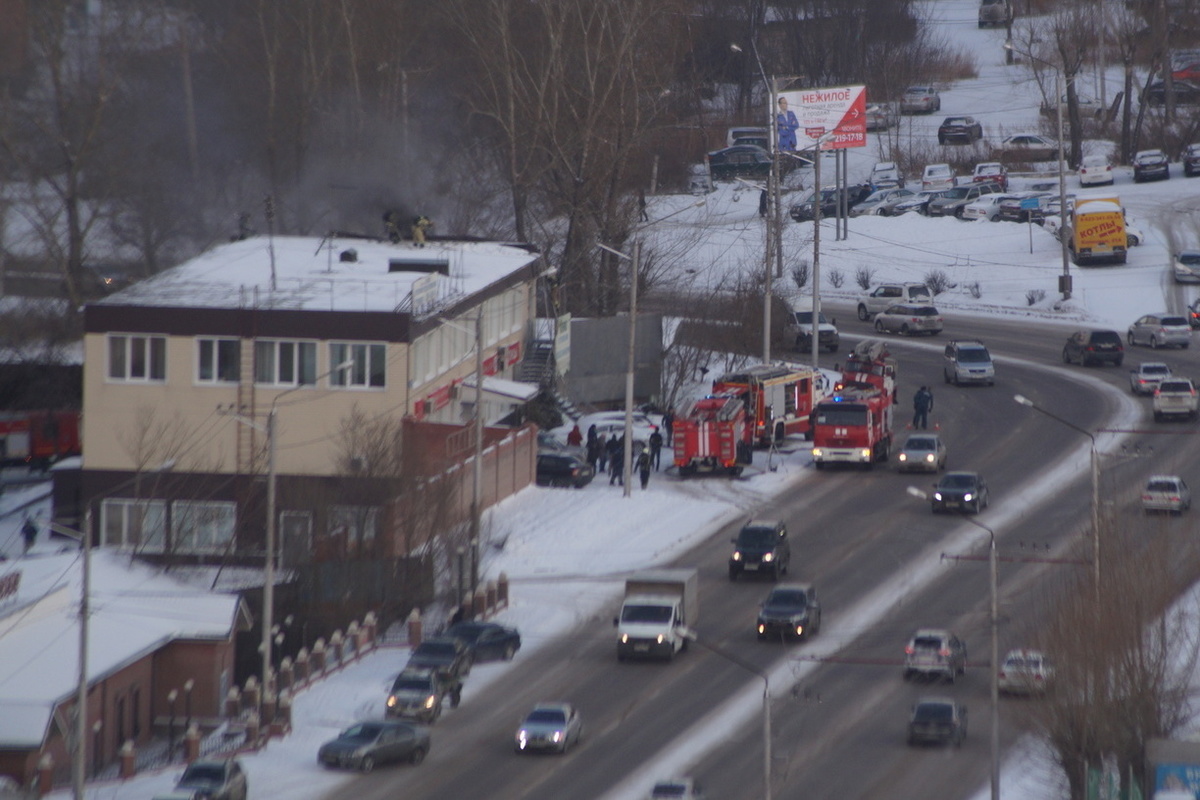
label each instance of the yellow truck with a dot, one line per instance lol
(1097, 233)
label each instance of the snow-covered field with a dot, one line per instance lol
(596, 533)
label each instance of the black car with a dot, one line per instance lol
(791, 611)
(961, 130)
(804, 211)
(563, 469)
(215, 779)
(487, 641)
(1151, 165)
(445, 654)
(938, 720)
(1186, 94)
(1191, 160)
(368, 744)
(761, 546)
(1094, 347)
(739, 161)
(960, 491)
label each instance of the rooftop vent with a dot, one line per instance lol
(348, 256)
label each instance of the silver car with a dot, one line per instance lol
(880, 202)
(922, 452)
(909, 319)
(1146, 378)
(549, 726)
(1160, 330)
(1166, 493)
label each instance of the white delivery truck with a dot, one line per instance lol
(658, 613)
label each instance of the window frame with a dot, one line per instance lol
(218, 347)
(153, 357)
(297, 358)
(133, 532)
(369, 370)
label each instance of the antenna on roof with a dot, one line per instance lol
(269, 206)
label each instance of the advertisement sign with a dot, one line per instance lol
(1183, 778)
(840, 114)
(425, 296)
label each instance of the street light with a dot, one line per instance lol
(995, 665)
(172, 696)
(691, 635)
(188, 685)
(1095, 459)
(1064, 282)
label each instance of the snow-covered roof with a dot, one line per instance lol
(309, 273)
(135, 609)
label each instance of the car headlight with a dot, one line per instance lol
(391, 701)
(762, 628)
(967, 497)
(737, 555)
(904, 457)
(865, 452)
(557, 737)
(430, 701)
(799, 630)
(768, 557)
(659, 638)
(928, 457)
(522, 738)
(937, 496)
(817, 452)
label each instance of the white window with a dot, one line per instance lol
(368, 365)
(137, 358)
(353, 523)
(201, 526)
(282, 363)
(218, 360)
(132, 524)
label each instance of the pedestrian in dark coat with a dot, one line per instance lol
(29, 531)
(602, 453)
(591, 434)
(593, 453)
(668, 423)
(643, 467)
(616, 462)
(922, 405)
(656, 443)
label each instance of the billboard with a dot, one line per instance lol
(804, 117)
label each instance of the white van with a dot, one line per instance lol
(746, 132)
(937, 177)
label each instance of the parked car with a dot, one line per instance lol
(791, 611)
(1187, 266)
(937, 176)
(369, 744)
(909, 319)
(960, 491)
(959, 130)
(990, 172)
(1175, 397)
(886, 175)
(486, 641)
(417, 694)
(445, 654)
(804, 211)
(549, 726)
(1191, 160)
(612, 423)
(762, 547)
(937, 720)
(799, 329)
(215, 779)
(951, 202)
(1160, 330)
(563, 469)
(739, 161)
(968, 361)
(1095, 171)
(1025, 672)
(889, 294)
(1088, 107)
(1133, 234)
(875, 203)
(985, 207)
(918, 202)
(1166, 493)
(922, 99)
(994, 12)
(1087, 347)
(1186, 93)
(922, 452)
(1151, 165)
(935, 653)
(1146, 378)
(879, 117)
(1011, 210)
(1028, 147)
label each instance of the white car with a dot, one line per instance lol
(1166, 493)
(889, 294)
(1187, 266)
(1025, 672)
(986, 207)
(1029, 147)
(1175, 397)
(909, 319)
(612, 423)
(1095, 171)
(1146, 378)
(937, 177)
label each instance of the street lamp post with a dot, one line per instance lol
(1095, 469)
(1064, 282)
(172, 696)
(188, 685)
(995, 661)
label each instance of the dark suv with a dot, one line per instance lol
(791, 611)
(935, 653)
(761, 546)
(938, 720)
(963, 130)
(1191, 160)
(1094, 347)
(960, 491)
(446, 655)
(563, 469)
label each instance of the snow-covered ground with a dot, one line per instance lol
(597, 535)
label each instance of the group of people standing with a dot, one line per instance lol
(606, 454)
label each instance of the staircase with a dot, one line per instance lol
(538, 364)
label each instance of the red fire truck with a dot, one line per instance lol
(38, 438)
(778, 399)
(854, 424)
(711, 435)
